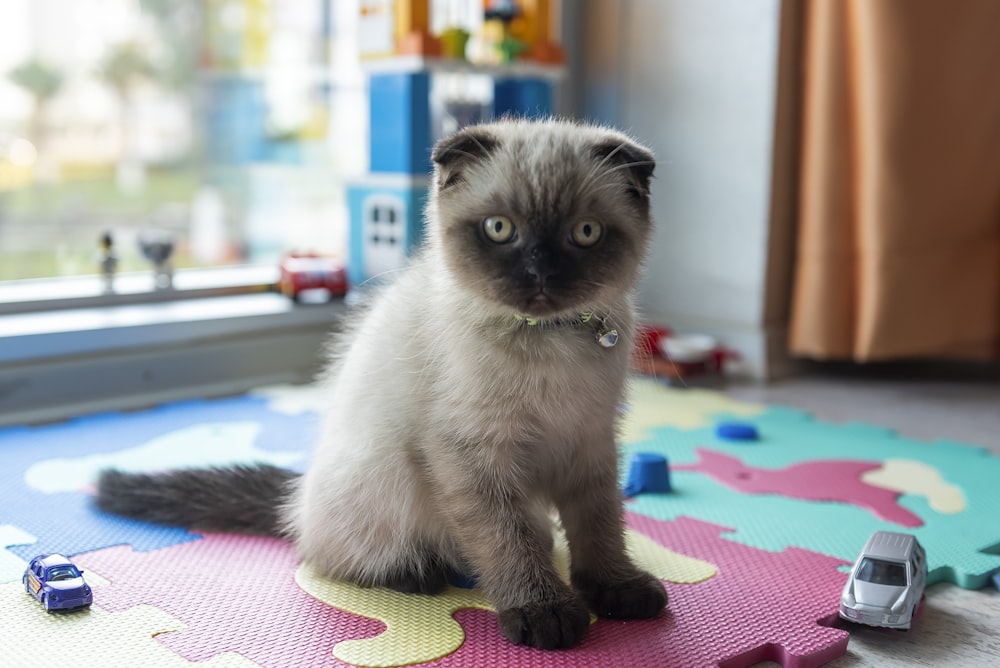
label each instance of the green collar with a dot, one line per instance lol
(604, 334)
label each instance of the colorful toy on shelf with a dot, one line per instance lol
(300, 273)
(498, 45)
(453, 42)
(389, 28)
(887, 582)
(506, 30)
(534, 28)
(409, 111)
(517, 30)
(57, 583)
(413, 29)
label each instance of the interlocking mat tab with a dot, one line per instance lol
(753, 543)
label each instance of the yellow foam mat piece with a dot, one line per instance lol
(653, 404)
(666, 564)
(421, 628)
(908, 476)
(94, 637)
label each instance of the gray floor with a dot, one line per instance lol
(957, 627)
(937, 403)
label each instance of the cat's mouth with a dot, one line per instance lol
(537, 299)
(541, 304)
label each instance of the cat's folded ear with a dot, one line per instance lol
(636, 160)
(454, 152)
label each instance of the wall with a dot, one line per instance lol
(699, 82)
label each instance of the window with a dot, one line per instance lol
(385, 247)
(220, 128)
(881, 572)
(205, 138)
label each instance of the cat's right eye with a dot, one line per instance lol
(499, 229)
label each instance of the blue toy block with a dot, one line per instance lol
(400, 125)
(524, 98)
(386, 213)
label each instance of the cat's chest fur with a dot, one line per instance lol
(503, 380)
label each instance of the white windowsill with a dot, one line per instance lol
(71, 332)
(131, 288)
(121, 353)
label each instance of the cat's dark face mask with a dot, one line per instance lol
(543, 231)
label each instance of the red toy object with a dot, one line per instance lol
(647, 339)
(312, 272)
(694, 357)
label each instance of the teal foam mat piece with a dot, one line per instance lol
(963, 547)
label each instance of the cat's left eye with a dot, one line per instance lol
(586, 233)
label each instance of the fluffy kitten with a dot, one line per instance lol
(474, 396)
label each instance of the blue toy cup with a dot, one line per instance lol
(647, 472)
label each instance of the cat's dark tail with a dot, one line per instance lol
(237, 499)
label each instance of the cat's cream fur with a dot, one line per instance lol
(453, 427)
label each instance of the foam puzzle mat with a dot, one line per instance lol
(753, 543)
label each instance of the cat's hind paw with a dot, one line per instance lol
(641, 596)
(546, 625)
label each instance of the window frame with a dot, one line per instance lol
(218, 332)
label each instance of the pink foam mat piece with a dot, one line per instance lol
(822, 480)
(762, 606)
(237, 594)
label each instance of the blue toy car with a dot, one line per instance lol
(57, 583)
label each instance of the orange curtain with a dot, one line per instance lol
(899, 195)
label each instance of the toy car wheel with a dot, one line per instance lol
(45, 604)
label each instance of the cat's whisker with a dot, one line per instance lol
(381, 275)
(609, 184)
(478, 143)
(599, 168)
(467, 154)
(630, 165)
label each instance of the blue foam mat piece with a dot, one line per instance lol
(65, 521)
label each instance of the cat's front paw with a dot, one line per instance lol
(639, 596)
(546, 625)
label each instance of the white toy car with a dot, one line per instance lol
(886, 582)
